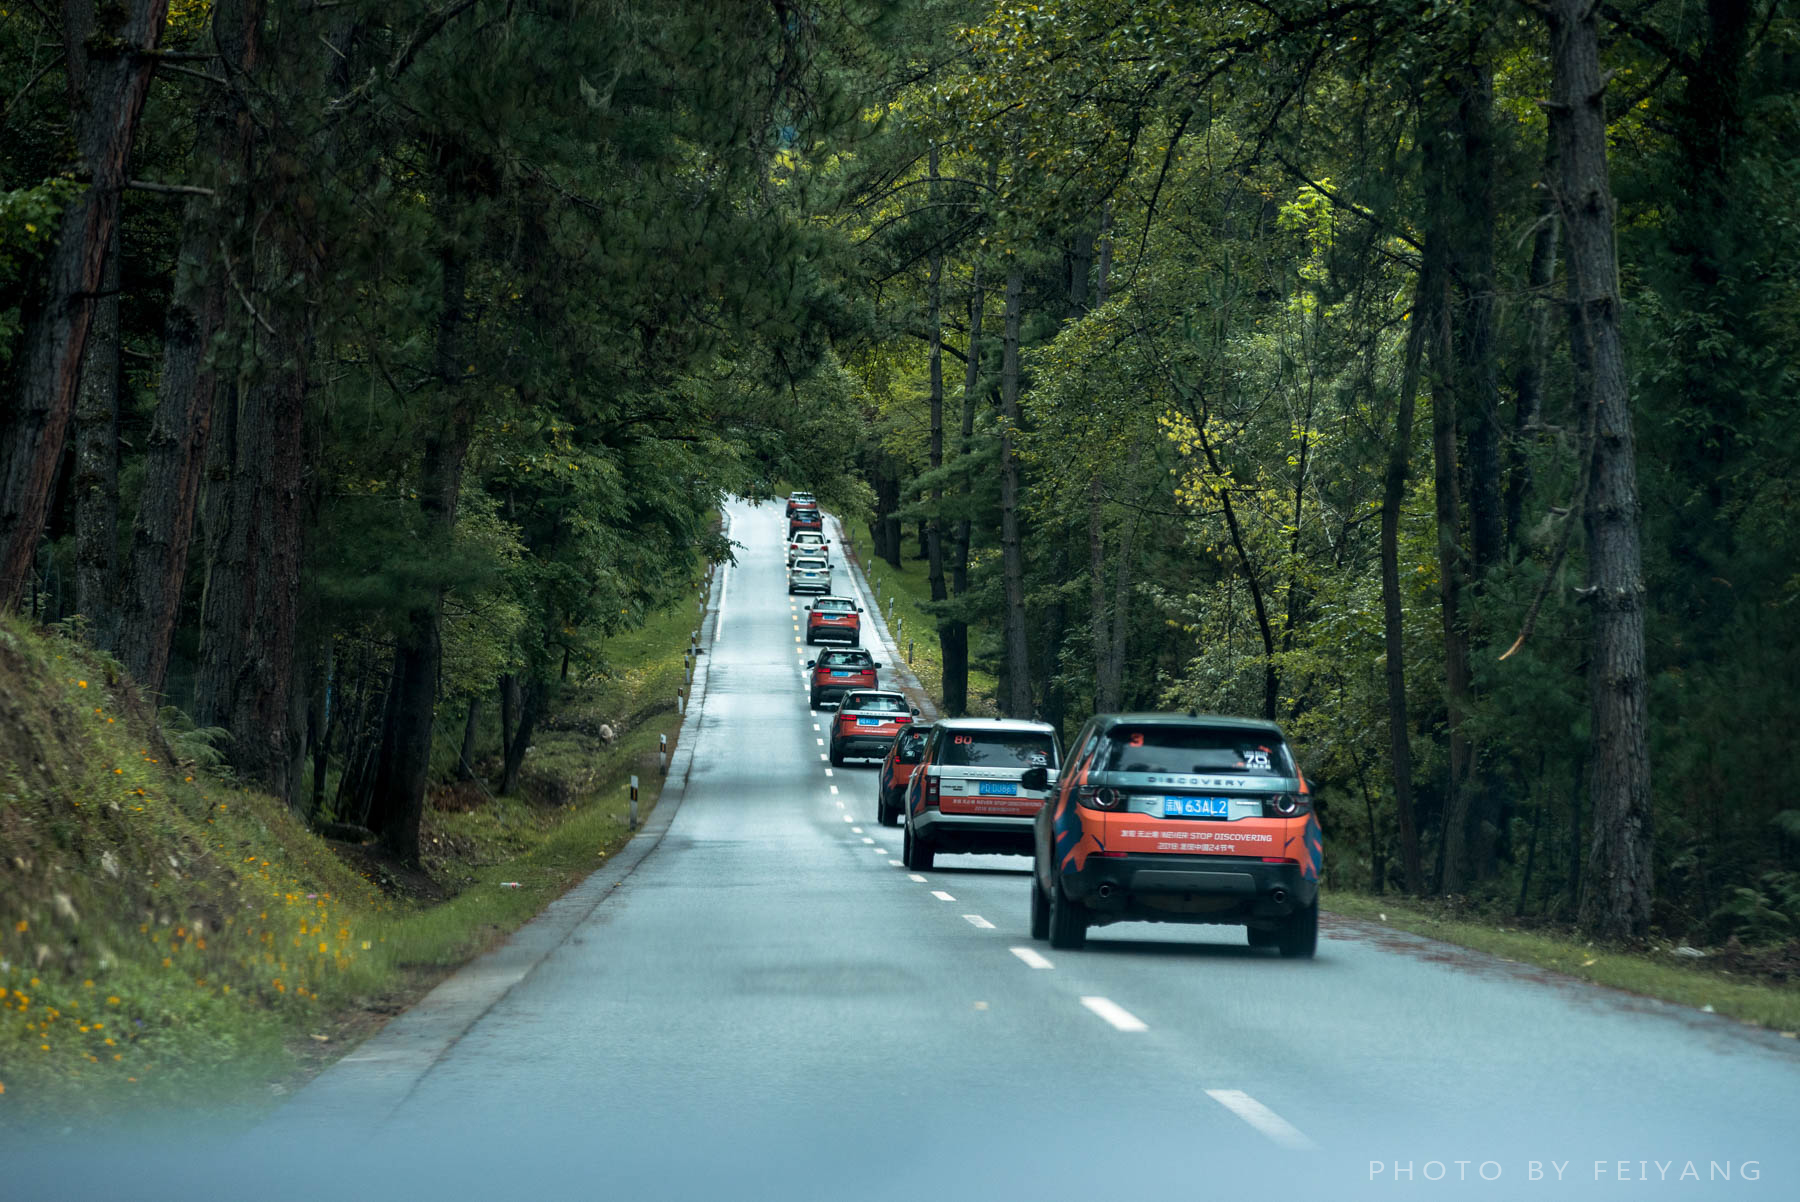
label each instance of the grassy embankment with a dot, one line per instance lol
(1658, 974)
(1744, 995)
(168, 937)
(911, 590)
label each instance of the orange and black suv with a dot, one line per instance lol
(1179, 818)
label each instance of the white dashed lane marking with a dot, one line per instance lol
(1115, 1014)
(976, 920)
(866, 839)
(941, 895)
(1262, 1118)
(1031, 957)
(857, 830)
(834, 793)
(895, 863)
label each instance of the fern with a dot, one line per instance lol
(202, 746)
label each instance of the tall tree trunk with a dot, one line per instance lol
(531, 704)
(109, 58)
(933, 542)
(1016, 701)
(953, 634)
(175, 456)
(1452, 622)
(97, 461)
(1393, 497)
(1528, 381)
(1103, 277)
(1099, 620)
(887, 506)
(1615, 897)
(250, 617)
(465, 760)
(404, 775)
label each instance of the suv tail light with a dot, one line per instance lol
(931, 791)
(1099, 798)
(1287, 805)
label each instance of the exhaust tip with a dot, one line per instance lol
(1105, 891)
(1278, 896)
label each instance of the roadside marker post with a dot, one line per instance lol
(634, 789)
(909, 644)
(680, 704)
(662, 755)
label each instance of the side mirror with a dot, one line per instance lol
(859, 609)
(1035, 778)
(812, 663)
(915, 711)
(874, 665)
(809, 609)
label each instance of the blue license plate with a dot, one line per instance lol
(868, 721)
(994, 788)
(835, 672)
(1196, 807)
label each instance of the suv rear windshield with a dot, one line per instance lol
(832, 605)
(1178, 749)
(809, 565)
(846, 659)
(997, 749)
(875, 703)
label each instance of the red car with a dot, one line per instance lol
(834, 620)
(796, 500)
(867, 723)
(835, 673)
(897, 772)
(805, 517)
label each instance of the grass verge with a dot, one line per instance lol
(1650, 974)
(910, 587)
(170, 939)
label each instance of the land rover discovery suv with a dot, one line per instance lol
(1185, 818)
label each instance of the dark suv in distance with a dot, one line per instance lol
(1179, 818)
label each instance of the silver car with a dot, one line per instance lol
(809, 574)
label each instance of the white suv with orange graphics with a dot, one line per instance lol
(978, 786)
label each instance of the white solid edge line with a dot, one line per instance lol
(1031, 957)
(913, 876)
(941, 895)
(976, 920)
(719, 618)
(1112, 1012)
(1262, 1118)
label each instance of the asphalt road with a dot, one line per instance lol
(769, 1005)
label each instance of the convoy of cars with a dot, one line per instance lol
(1155, 817)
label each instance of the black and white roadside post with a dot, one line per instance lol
(662, 755)
(634, 789)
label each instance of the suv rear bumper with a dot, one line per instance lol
(1188, 889)
(983, 834)
(834, 692)
(875, 746)
(809, 586)
(847, 635)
